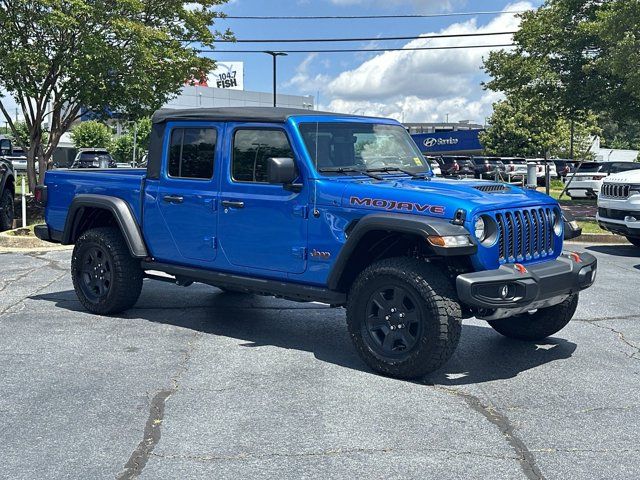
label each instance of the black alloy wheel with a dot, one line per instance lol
(96, 273)
(394, 322)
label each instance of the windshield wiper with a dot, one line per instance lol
(422, 175)
(348, 170)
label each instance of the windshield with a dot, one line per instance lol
(362, 146)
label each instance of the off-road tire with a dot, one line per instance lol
(540, 324)
(634, 241)
(125, 273)
(439, 311)
(7, 212)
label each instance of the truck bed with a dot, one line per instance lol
(63, 185)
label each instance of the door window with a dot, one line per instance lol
(192, 152)
(252, 149)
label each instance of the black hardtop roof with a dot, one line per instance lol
(240, 114)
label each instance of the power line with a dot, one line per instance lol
(352, 50)
(373, 17)
(366, 39)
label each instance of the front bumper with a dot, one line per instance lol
(509, 291)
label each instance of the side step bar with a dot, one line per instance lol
(259, 286)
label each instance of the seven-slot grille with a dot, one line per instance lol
(615, 190)
(525, 234)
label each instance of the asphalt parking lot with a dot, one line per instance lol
(195, 383)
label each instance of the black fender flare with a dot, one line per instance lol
(121, 212)
(419, 225)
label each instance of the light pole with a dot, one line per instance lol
(275, 55)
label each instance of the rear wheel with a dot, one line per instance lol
(106, 278)
(403, 317)
(540, 324)
(7, 213)
(635, 241)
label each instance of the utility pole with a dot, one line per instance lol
(275, 55)
(573, 132)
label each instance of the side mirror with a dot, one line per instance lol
(281, 171)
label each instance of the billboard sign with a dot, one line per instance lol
(445, 142)
(229, 75)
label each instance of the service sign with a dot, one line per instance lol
(228, 75)
(443, 142)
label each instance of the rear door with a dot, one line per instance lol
(187, 192)
(262, 226)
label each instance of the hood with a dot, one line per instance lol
(439, 197)
(632, 176)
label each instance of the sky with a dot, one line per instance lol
(411, 86)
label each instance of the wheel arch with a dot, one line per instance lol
(367, 236)
(91, 211)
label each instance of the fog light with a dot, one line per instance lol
(504, 292)
(630, 219)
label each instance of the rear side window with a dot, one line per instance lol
(252, 149)
(192, 152)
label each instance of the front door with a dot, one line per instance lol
(187, 192)
(262, 226)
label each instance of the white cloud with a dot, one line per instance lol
(304, 80)
(424, 85)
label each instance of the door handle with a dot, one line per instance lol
(230, 204)
(173, 199)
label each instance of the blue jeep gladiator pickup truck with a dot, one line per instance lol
(313, 206)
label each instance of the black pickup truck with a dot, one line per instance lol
(7, 186)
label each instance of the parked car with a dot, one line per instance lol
(563, 167)
(619, 205)
(515, 168)
(311, 206)
(488, 167)
(456, 166)
(587, 180)
(553, 173)
(93, 158)
(435, 166)
(7, 194)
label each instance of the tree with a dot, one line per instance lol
(578, 56)
(91, 134)
(21, 135)
(529, 129)
(60, 58)
(139, 135)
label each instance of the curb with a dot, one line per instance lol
(600, 238)
(35, 249)
(27, 244)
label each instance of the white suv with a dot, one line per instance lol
(619, 205)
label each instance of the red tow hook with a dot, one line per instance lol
(575, 257)
(521, 268)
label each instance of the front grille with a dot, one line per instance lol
(525, 234)
(615, 190)
(616, 214)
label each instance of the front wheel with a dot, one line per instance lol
(635, 241)
(540, 324)
(403, 317)
(106, 278)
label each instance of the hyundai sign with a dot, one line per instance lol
(448, 142)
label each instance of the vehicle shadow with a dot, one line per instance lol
(482, 356)
(616, 250)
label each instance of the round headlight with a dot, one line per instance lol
(558, 223)
(480, 229)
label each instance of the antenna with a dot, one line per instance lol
(316, 213)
